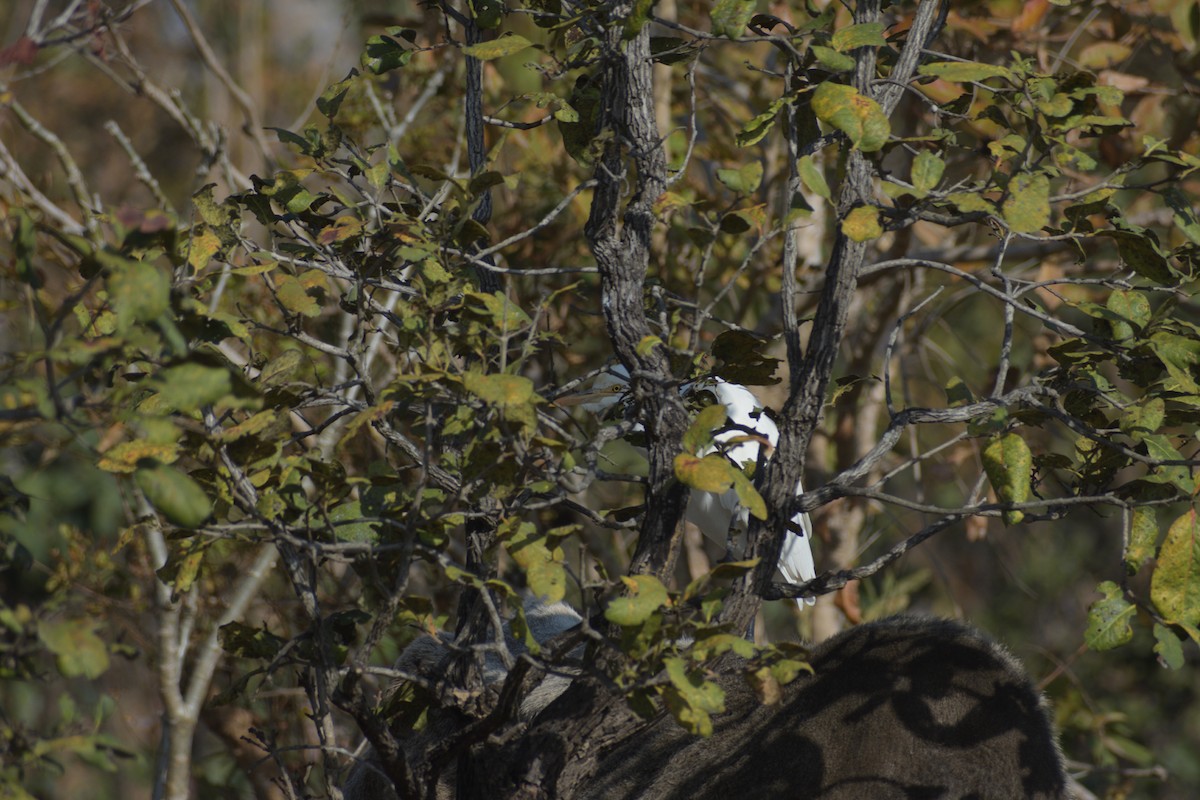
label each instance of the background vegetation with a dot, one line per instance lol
(292, 349)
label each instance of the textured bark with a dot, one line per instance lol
(619, 231)
(907, 707)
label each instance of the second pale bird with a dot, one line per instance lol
(714, 514)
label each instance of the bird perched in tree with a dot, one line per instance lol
(740, 440)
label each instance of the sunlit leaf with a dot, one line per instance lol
(644, 595)
(862, 224)
(860, 118)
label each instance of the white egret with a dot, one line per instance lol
(740, 441)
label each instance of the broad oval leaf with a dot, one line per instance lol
(730, 17)
(1027, 209)
(1175, 586)
(860, 118)
(176, 495)
(645, 595)
(1108, 619)
(713, 473)
(78, 651)
(862, 224)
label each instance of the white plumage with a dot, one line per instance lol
(716, 514)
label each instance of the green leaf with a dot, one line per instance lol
(754, 130)
(690, 698)
(1180, 355)
(1168, 647)
(281, 369)
(190, 386)
(958, 393)
(78, 651)
(862, 224)
(1131, 306)
(743, 180)
(499, 47)
(294, 296)
(748, 496)
(963, 71)
(139, 292)
(645, 595)
(866, 34)
(1108, 619)
(1009, 466)
(331, 99)
(833, 60)
(1159, 447)
(176, 495)
(384, 53)
(1141, 254)
(533, 552)
(860, 118)
(813, 177)
(1143, 538)
(1144, 419)
(1185, 213)
(730, 17)
(1027, 207)
(349, 525)
(927, 171)
(1175, 585)
(699, 434)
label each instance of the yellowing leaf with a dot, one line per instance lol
(500, 389)
(866, 34)
(927, 170)
(125, 456)
(1009, 465)
(699, 434)
(1143, 536)
(713, 473)
(1175, 585)
(201, 249)
(964, 71)
(730, 17)
(862, 224)
(1027, 208)
(690, 698)
(295, 297)
(645, 595)
(499, 47)
(860, 118)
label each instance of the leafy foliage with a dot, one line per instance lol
(334, 394)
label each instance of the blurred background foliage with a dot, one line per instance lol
(80, 711)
